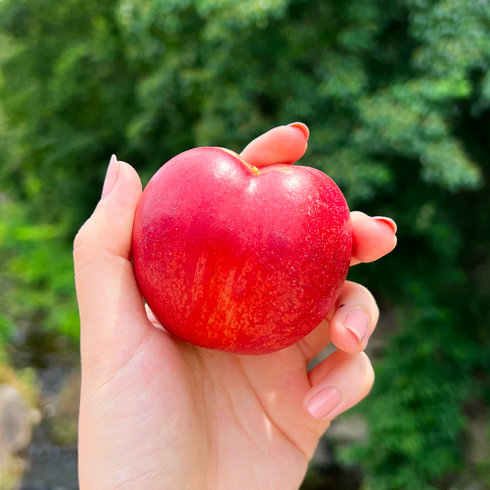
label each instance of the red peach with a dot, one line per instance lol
(238, 259)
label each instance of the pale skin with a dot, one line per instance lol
(158, 413)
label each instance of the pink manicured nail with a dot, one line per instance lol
(303, 128)
(324, 402)
(388, 221)
(111, 176)
(358, 323)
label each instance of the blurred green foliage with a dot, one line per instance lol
(397, 97)
(36, 278)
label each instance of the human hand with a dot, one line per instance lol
(157, 412)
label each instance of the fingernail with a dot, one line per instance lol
(358, 323)
(324, 402)
(303, 128)
(110, 176)
(388, 221)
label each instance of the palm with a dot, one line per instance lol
(238, 419)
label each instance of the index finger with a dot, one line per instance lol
(283, 144)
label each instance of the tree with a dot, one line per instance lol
(397, 95)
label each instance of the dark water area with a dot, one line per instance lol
(48, 465)
(334, 478)
(326, 473)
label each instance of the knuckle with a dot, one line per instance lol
(84, 235)
(79, 239)
(365, 291)
(368, 371)
(372, 305)
(357, 216)
(375, 310)
(86, 249)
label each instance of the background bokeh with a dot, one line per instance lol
(396, 94)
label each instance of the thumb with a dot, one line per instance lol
(112, 313)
